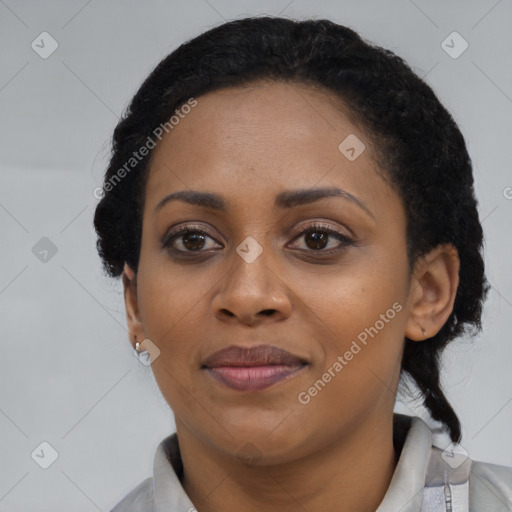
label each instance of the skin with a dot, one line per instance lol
(249, 144)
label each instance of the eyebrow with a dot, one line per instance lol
(286, 199)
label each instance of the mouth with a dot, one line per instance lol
(252, 369)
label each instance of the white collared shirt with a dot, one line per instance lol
(426, 479)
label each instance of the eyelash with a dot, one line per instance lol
(345, 241)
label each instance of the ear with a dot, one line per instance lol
(432, 292)
(135, 329)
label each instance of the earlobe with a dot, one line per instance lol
(432, 293)
(131, 304)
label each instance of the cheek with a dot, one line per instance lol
(172, 310)
(172, 319)
(360, 367)
(354, 297)
(363, 309)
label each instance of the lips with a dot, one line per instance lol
(252, 369)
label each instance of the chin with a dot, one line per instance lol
(260, 444)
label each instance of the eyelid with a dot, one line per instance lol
(320, 225)
(300, 229)
(344, 240)
(327, 224)
(176, 231)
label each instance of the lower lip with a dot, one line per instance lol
(253, 378)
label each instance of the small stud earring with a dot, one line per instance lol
(142, 355)
(424, 332)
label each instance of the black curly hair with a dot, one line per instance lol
(415, 140)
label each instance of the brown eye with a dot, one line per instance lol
(317, 239)
(193, 240)
(188, 239)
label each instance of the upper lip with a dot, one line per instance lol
(260, 355)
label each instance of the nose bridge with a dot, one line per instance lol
(253, 249)
(252, 264)
(252, 284)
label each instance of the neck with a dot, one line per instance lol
(352, 474)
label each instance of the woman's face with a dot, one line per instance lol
(266, 272)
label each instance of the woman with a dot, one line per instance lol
(292, 213)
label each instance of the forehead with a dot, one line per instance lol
(231, 116)
(260, 138)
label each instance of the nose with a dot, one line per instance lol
(252, 293)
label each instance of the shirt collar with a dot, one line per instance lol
(404, 493)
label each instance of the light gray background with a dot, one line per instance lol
(67, 373)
